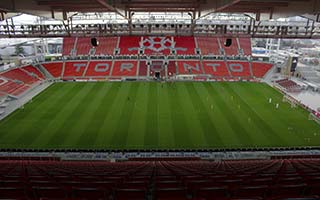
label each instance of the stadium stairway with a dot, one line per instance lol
(245, 45)
(54, 68)
(165, 180)
(34, 71)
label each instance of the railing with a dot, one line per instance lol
(252, 29)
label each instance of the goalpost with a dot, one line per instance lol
(290, 100)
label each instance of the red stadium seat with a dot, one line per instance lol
(245, 45)
(83, 45)
(20, 75)
(240, 179)
(12, 193)
(171, 194)
(286, 191)
(239, 69)
(125, 68)
(212, 193)
(98, 68)
(168, 184)
(73, 69)
(54, 68)
(33, 70)
(185, 45)
(254, 191)
(13, 88)
(233, 49)
(129, 45)
(134, 194)
(68, 44)
(189, 67)
(106, 45)
(216, 68)
(143, 68)
(88, 193)
(208, 45)
(260, 69)
(49, 192)
(156, 45)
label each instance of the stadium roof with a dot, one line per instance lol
(61, 9)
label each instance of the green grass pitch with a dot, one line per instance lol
(152, 115)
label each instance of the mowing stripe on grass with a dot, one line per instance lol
(241, 133)
(137, 125)
(33, 129)
(101, 114)
(152, 128)
(181, 133)
(120, 135)
(166, 136)
(59, 127)
(84, 122)
(215, 112)
(22, 119)
(107, 130)
(208, 127)
(76, 117)
(295, 118)
(264, 127)
(191, 115)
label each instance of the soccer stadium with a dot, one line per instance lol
(168, 100)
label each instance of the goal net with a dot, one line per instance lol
(290, 100)
(313, 117)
